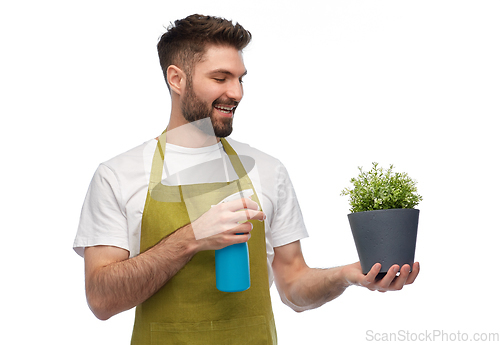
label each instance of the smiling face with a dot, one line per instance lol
(214, 89)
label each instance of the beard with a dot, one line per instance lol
(194, 109)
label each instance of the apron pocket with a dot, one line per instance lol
(251, 330)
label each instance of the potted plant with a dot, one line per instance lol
(384, 220)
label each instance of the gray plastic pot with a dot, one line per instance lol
(387, 237)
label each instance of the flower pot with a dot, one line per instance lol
(387, 237)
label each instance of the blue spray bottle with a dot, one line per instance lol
(232, 264)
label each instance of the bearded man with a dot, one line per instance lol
(153, 218)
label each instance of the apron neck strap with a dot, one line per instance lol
(158, 158)
(233, 157)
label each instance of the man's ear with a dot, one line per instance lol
(176, 78)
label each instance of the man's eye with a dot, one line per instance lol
(219, 80)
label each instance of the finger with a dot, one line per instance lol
(241, 238)
(240, 233)
(243, 203)
(400, 281)
(389, 277)
(414, 273)
(247, 205)
(248, 215)
(226, 239)
(241, 228)
(372, 274)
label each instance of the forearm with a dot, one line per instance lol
(122, 285)
(303, 288)
(315, 287)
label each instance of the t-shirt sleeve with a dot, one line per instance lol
(288, 224)
(103, 218)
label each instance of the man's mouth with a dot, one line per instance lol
(225, 110)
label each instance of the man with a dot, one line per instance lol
(152, 218)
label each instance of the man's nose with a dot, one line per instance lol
(235, 90)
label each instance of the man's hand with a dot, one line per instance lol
(303, 288)
(390, 282)
(226, 224)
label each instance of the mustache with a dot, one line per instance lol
(228, 102)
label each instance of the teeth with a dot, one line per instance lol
(226, 110)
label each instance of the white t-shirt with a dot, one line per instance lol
(112, 210)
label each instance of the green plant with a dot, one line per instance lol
(381, 189)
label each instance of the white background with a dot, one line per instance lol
(331, 86)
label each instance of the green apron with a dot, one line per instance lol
(189, 309)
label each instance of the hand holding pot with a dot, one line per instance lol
(390, 282)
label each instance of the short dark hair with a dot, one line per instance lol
(185, 41)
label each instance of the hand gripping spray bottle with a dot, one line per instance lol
(232, 264)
